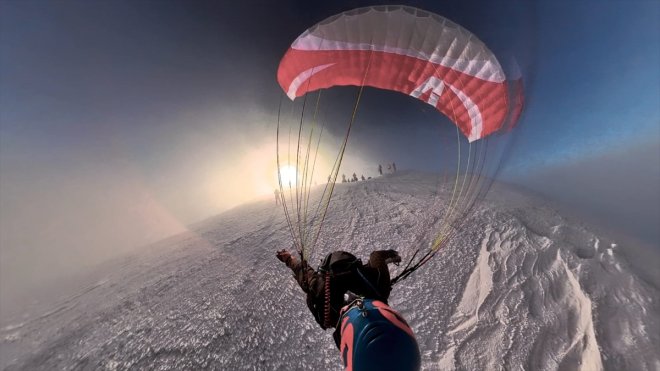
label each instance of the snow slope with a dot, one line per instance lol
(521, 287)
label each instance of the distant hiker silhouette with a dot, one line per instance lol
(394, 167)
(380, 169)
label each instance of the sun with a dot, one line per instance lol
(288, 175)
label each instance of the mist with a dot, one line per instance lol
(617, 190)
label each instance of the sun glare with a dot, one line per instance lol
(288, 176)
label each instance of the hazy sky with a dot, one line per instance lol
(123, 122)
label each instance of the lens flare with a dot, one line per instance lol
(288, 176)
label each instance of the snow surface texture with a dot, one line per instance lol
(519, 288)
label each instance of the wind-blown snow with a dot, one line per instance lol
(519, 287)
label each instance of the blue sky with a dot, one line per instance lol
(590, 137)
(595, 82)
(126, 121)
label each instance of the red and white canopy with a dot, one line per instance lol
(406, 50)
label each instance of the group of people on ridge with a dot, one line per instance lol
(391, 168)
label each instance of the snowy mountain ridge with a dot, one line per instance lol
(519, 287)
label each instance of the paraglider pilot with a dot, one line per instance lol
(351, 297)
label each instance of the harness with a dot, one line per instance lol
(358, 302)
(347, 264)
(326, 303)
(328, 275)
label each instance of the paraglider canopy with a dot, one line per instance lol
(412, 52)
(403, 49)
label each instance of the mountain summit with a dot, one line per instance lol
(518, 287)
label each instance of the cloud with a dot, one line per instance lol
(619, 188)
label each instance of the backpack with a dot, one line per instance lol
(336, 264)
(339, 263)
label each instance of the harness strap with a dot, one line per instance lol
(326, 303)
(375, 290)
(357, 302)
